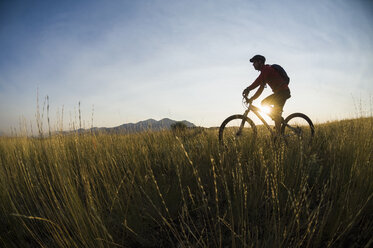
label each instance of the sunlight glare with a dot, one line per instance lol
(265, 110)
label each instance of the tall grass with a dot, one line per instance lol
(161, 189)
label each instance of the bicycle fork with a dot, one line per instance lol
(242, 122)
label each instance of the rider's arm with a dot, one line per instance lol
(257, 93)
(259, 81)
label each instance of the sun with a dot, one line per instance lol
(265, 109)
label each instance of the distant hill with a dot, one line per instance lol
(141, 126)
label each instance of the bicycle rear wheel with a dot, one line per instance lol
(298, 127)
(230, 130)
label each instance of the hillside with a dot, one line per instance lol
(166, 189)
(147, 125)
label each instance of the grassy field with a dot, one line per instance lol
(161, 189)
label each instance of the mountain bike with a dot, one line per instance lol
(297, 127)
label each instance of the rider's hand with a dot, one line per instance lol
(245, 92)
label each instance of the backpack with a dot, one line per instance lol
(282, 72)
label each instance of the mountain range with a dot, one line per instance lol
(140, 126)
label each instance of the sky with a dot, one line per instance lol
(117, 62)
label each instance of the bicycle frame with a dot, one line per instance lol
(256, 111)
(290, 126)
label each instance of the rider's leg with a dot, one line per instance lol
(269, 101)
(275, 110)
(276, 116)
(278, 101)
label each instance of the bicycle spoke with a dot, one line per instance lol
(234, 129)
(298, 128)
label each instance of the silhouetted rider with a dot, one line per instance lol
(276, 77)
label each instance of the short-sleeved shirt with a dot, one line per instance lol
(270, 76)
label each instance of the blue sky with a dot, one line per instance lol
(127, 61)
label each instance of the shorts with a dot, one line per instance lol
(277, 99)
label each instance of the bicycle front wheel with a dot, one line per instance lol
(237, 128)
(298, 127)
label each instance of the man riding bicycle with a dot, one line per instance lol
(277, 79)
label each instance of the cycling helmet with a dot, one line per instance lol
(258, 58)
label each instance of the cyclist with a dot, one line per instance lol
(278, 80)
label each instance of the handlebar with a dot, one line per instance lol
(246, 100)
